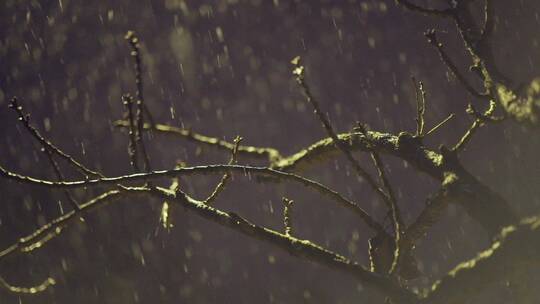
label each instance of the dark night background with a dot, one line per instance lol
(223, 69)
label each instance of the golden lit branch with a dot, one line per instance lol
(204, 170)
(28, 290)
(24, 118)
(304, 249)
(221, 185)
(271, 154)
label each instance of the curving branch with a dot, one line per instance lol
(304, 249)
(299, 73)
(480, 119)
(521, 105)
(127, 101)
(271, 154)
(470, 193)
(431, 36)
(53, 149)
(474, 196)
(225, 178)
(515, 251)
(203, 170)
(28, 290)
(515, 247)
(48, 231)
(141, 108)
(49, 152)
(297, 247)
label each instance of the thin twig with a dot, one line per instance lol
(387, 198)
(315, 153)
(420, 96)
(304, 249)
(432, 39)
(28, 290)
(210, 169)
(24, 118)
(133, 41)
(489, 21)
(479, 47)
(299, 73)
(480, 119)
(221, 185)
(60, 177)
(14, 104)
(394, 212)
(435, 128)
(46, 232)
(271, 154)
(497, 85)
(287, 215)
(468, 135)
(127, 100)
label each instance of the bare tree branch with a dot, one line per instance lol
(127, 100)
(420, 95)
(361, 172)
(395, 214)
(221, 185)
(432, 39)
(133, 41)
(479, 120)
(211, 169)
(515, 250)
(437, 126)
(287, 215)
(47, 232)
(47, 144)
(515, 245)
(53, 228)
(297, 247)
(28, 290)
(271, 154)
